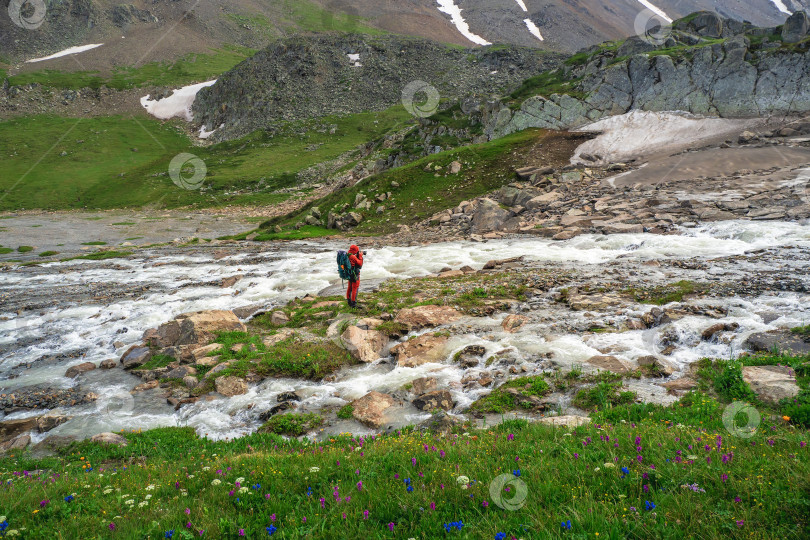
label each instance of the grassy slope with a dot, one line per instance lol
(105, 172)
(565, 474)
(422, 192)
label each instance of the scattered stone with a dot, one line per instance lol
(109, 438)
(279, 318)
(683, 384)
(135, 356)
(439, 399)
(656, 365)
(571, 421)
(108, 364)
(145, 386)
(75, 371)
(513, 323)
(610, 363)
(423, 385)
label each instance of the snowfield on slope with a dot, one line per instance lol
(640, 133)
(449, 7)
(177, 105)
(66, 52)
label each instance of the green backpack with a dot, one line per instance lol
(345, 266)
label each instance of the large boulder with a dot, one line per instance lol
(370, 408)
(705, 24)
(656, 366)
(231, 386)
(795, 28)
(439, 399)
(513, 323)
(364, 345)
(421, 350)
(75, 371)
(10, 429)
(109, 438)
(427, 316)
(771, 383)
(135, 356)
(489, 216)
(196, 328)
(17, 443)
(47, 422)
(423, 385)
(781, 340)
(610, 363)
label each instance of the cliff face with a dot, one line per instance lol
(302, 78)
(708, 66)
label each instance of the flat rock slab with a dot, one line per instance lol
(771, 383)
(610, 363)
(421, 350)
(565, 421)
(370, 408)
(427, 316)
(786, 342)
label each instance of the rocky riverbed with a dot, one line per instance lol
(521, 306)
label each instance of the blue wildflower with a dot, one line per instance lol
(168, 534)
(270, 530)
(3, 526)
(309, 492)
(410, 488)
(566, 525)
(650, 505)
(257, 487)
(407, 481)
(516, 472)
(69, 498)
(500, 536)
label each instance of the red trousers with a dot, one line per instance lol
(351, 292)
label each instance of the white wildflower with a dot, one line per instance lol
(240, 480)
(314, 469)
(150, 487)
(463, 480)
(216, 482)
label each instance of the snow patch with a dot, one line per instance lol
(178, 104)
(449, 7)
(657, 11)
(522, 5)
(205, 134)
(639, 133)
(66, 52)
(533, 29)
(781, 7)
(356, 59)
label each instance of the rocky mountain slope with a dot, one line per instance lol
(301, 78)
(708, 65)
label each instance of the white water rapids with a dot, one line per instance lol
(171, 285)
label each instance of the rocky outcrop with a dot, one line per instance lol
(513, 323)
(194, 328)
(732, 78)
(771, 383)
(370, 408)
(43, 397)
(423, 385)
(265, 90)
(421, 350)
(135, 357)
(427, 316)
(489, 216)
(75, 371)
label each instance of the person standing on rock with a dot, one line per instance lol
(356, 258)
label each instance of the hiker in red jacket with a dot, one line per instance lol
(356, 258)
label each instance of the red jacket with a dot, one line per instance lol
(357, 262)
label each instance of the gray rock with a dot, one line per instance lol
(795, 28)
(783, 341)
(135, 356)
(489, 216)
(439, 399)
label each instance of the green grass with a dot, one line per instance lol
(292, 357)
(569, 474)
(192, 68)
(5, 250)
(157, 361)
(48, 253)
(802, 330)
(94, 243)
(292, 424)
(101, 256)
(346, 412)
(25, 249)
(545, 84)
(603, 395)
(500, 401)
(665, 294)
(103, 171)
